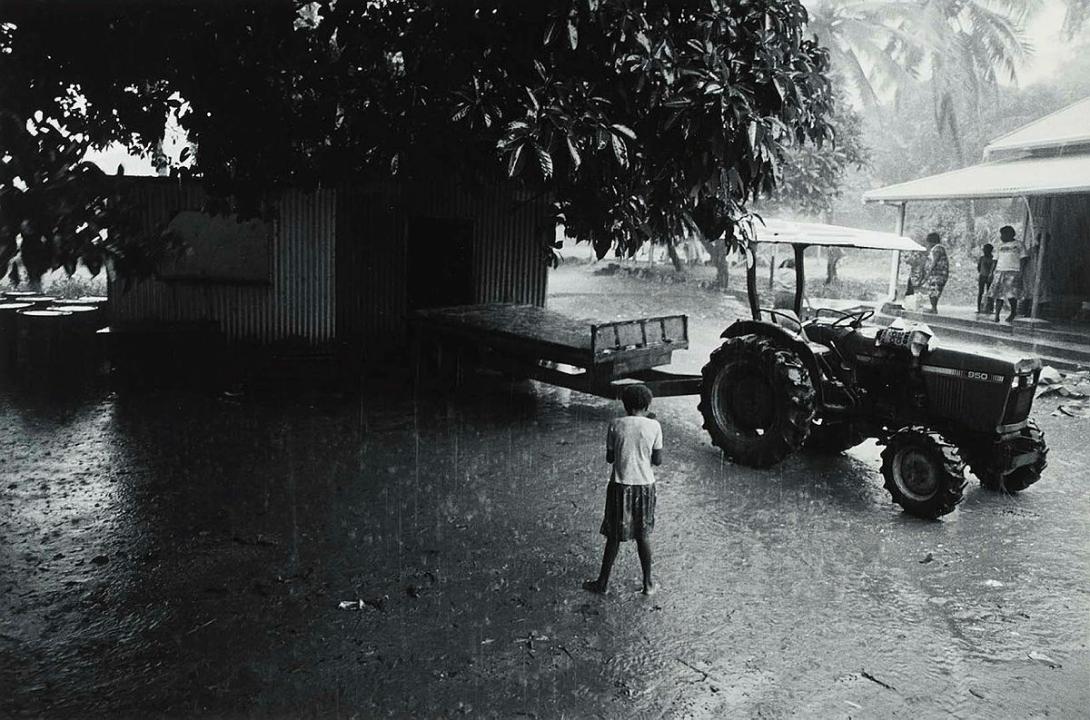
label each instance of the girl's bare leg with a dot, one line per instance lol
(608, 557)
(643, 547)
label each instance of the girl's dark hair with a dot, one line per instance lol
(1007, 230)
(636, 397)
(987, 248)
(933, 237)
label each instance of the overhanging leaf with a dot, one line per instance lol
(573, 153)
(515, 160)
(620, 151)
(544, 161)
(623, 130)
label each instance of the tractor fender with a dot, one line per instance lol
(785, 339)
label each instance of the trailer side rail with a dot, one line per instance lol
(610, 342)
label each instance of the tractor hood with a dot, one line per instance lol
(966, 359)
(959, 359)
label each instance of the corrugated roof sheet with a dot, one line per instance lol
(786, 231)
(1069, 126)
(1002, 179)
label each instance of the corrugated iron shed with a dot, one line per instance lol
(341, 262)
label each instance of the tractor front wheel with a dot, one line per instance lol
(757, 400)
(923, 472)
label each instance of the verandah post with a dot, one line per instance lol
(895, 261)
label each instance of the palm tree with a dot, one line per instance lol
(1076, 17)
(963, 46)
(967, 45)
(867, 45)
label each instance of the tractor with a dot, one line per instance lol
(826, 380)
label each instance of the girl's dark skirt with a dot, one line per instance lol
(630, 512)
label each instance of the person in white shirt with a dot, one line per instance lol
(633, 446)
(1010, 259)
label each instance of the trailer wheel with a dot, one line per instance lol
(1031, 439)
(830, 438)
(757, 400)
(923, 472)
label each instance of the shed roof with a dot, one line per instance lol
(789, 232)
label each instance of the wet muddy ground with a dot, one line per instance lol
(182, 555)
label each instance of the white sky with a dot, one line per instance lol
(1050, 51)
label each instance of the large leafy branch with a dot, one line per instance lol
(654, 121)
(643, 119)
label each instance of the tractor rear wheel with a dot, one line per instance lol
(1031, 438)
(923, 472)
(832, 437)
(757, 400)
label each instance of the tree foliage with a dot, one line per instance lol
(813, 176)
(643, 119)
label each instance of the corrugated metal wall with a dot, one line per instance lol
(371, 272)
(340, 262)
(510, 230)
(297, 304)
(374, 259)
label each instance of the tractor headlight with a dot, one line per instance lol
(918, 342)
(1026, 366)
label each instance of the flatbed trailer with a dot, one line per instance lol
(598, 358)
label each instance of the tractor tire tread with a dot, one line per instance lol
(788, 369)
(947, 497)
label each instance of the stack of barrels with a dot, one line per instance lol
(49, 338)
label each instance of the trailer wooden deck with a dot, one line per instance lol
(537, 342)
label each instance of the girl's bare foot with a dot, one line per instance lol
(594, 586)
(650, 589)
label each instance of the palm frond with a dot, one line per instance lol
(1075, 17)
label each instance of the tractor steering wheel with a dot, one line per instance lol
(855, 319)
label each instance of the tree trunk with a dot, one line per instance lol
(720, 257)
(967, 205)
(671, 250)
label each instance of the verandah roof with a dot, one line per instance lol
(1001, 179)
(1055, 175)
(1063, 128)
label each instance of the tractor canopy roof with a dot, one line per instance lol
(788, 232)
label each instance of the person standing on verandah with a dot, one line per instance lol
(985, 273)
(936, 270)
(1010, 260)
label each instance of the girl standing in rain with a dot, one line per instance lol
(633, 445)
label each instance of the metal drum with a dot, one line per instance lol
(85, 322)
(45, 340)
(38, 301)
(8, 336)
(101, 302)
